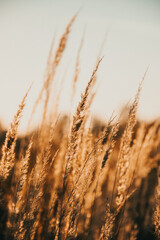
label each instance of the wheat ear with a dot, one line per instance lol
(8, 149)
(53, 64)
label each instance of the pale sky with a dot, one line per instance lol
(27, 28)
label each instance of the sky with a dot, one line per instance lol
(132, 32)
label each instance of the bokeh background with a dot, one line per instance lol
(132, 32)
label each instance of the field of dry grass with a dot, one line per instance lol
(76, 177)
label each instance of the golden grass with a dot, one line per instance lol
(94, 181)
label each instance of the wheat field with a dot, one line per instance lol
(75, 177)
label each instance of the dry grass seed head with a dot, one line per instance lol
(8, 149)
(76, 125)
(53, 64)
(122, 174)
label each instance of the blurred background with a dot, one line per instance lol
(132, 32)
